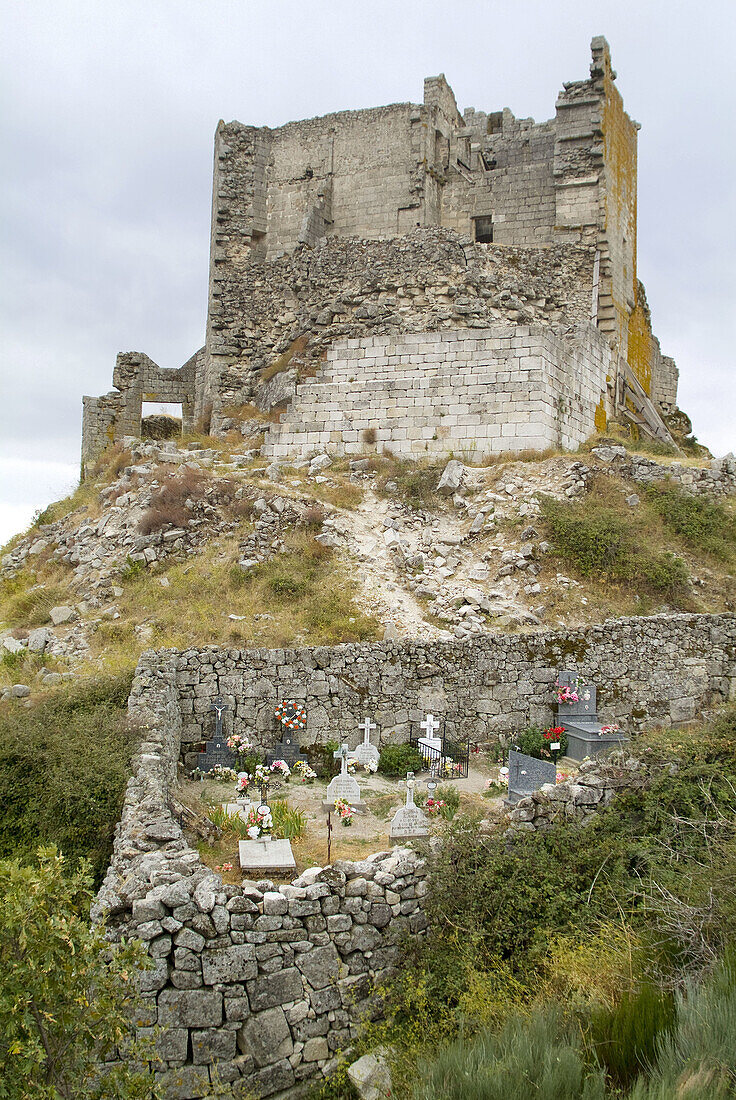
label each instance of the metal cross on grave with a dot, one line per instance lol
(342, 754)
(430, 725)
(219, 706)
(366, 726)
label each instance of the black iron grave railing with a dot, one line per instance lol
(450, 760)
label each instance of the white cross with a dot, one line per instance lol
(342, 755)
(410, 784)
(429, 725)
(366, 726)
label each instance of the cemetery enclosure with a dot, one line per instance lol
(269, 983)
(662, 669)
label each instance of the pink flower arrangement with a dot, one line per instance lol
(613, 728)
(344, 811)
(435, 805)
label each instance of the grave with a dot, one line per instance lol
(286, 749)
(216, 750)
(268, 856)
(580, 719)
(527, 774)
(366, 753)
(430, 725)
(408, 821)
(344, 785)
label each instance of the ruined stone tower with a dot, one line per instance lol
(419, 279)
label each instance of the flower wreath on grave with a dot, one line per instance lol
(291, 715)
(605, 731)
(344, 811)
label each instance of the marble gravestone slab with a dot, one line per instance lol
(267, 856)
(527, 774)
(586, 706)
(408, 821)
(216, 752)
(286, 749)
(366, 753)
(344, 785)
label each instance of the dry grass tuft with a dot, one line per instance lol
(168, 505)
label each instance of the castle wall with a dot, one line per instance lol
(136, 378)
(478, 391)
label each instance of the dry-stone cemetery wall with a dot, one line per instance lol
(659, 669)
(256, 985)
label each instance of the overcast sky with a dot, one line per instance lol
(108, 115)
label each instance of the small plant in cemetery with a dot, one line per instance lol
(397, 760)
(288, 822)
(536, 742)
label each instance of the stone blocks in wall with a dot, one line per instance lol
(476, 390)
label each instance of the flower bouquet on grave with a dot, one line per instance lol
(303, 770)
(222, 774)
(567, 693)
(241, 787)
(262, 774)
(239, 745)
(259, 822)
(353, 765)
(606, 731)
(280, 768)
(370, 766)
(435, 805)
(555, 735)
(344, 811)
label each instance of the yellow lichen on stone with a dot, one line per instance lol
(600, 419)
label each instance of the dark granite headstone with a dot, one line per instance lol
(527, 774)
(216, 752)
(287, 749)
(581, 722)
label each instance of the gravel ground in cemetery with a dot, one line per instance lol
(370, 829)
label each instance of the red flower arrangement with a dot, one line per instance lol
(291, 715)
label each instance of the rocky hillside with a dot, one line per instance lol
(176, 543)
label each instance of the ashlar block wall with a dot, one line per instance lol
(478, 391)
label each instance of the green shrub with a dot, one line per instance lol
(400, 759)
(321, 760)
(533, 742)
(598, 542)
(66, 994)
(701, 523)
(625, 1037)
(63, 769)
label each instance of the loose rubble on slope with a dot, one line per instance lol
(473, 560)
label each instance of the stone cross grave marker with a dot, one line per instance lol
(343, 785)
(366, 753)
(527, 774)
(409, 821)
(216, 750)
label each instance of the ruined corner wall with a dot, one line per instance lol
(661, 669)
(472, 391)
(255, 984)
(137, 379)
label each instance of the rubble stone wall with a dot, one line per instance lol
(259, 984)
(662, 669)
(474, 391)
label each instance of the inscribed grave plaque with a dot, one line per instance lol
(216, 752)
(286, 749)
(267, 856)
(344, 785)
(527, 774)
(408, 821)
(366, 753)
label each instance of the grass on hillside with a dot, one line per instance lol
(302, 597)
(605, 541)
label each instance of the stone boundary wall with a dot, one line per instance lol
(256, 985)
(476, 391)
(716, 479)
(661, 669)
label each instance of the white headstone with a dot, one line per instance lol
(430, 725)
(366, 753)
(343, 785)
(409, 820)
(274, 856)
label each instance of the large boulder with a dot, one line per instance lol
(452, 478)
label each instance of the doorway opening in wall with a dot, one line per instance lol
(161, 420)
(483, 230)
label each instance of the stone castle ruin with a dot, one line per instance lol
(416, 279)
